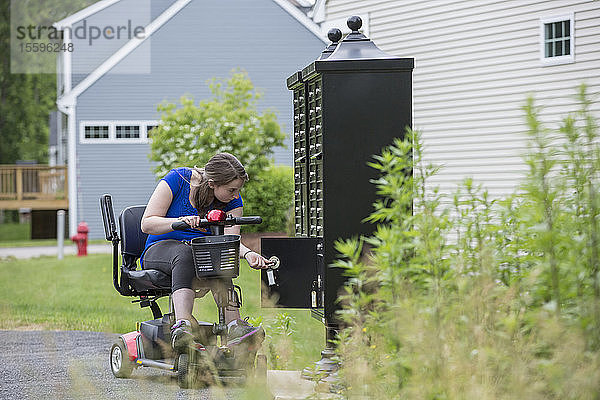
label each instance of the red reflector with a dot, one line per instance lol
(216, 215)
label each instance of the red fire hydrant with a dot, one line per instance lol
(81, 238)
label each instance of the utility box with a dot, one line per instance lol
(348, 105)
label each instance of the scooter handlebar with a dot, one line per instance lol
(229, 221)
(180, 226)
(247, 220)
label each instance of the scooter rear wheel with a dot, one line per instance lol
(120, 365)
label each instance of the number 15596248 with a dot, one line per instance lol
(45, 47)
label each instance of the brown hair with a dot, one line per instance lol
(222, 168)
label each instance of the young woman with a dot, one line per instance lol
(188, 194)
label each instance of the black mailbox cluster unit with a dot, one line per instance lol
(348, 105)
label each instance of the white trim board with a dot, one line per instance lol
(302, 18)
(68, 101)
(82, 14)
(318, 11)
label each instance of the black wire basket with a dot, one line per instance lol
(216, 256)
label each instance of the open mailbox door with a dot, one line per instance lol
(298, 281)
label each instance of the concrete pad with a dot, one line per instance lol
(289, 385)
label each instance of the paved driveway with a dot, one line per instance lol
(74, 365)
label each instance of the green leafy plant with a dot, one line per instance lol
(278, 341)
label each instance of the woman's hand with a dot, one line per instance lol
(256, 261)
(192, 220)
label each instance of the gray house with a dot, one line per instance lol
(130, 55)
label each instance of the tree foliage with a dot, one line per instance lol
(26, 100)
(228, 122)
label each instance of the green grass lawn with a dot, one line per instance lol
(15, 232)
(76, 293)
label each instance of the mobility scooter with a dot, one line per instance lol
(208, 359)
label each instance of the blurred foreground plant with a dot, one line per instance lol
(473, 298)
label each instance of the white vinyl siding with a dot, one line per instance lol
(475, 64)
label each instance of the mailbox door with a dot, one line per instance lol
(296, 277)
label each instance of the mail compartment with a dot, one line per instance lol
(298, 281)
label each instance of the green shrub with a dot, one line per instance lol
(269, 195)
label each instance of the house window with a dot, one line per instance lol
(116, 131)
(557, 39)
(127, 131)
(149, 129)
(96, 132)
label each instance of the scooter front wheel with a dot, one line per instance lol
(120, 365)
(184, 373)
(260, 371)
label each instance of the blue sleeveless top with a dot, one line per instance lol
(178, 180)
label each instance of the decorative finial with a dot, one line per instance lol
(354, 23)
(356, 45)
(334, 35)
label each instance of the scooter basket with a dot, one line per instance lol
(216, 256)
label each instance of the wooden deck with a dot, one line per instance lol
(39, 187)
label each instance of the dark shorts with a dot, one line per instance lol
(175, 258)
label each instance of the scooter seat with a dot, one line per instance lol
(147, 279)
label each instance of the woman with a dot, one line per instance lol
(188, 194)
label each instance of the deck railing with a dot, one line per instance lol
(33, 186)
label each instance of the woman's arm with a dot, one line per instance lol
(254, 259)
(153, 220)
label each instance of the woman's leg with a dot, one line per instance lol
(175, 259)
(183, 304)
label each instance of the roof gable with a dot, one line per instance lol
(69, 98)
(101, 5)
